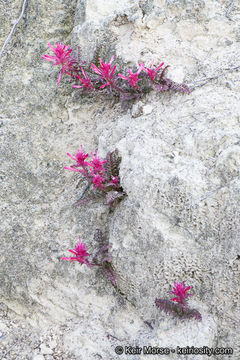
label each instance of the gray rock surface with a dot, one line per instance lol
(180, 170)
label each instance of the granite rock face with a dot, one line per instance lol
(180, 170)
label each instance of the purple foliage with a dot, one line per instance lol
(167, 84)
(100, 76)
(102, 174)
(103, 250)
(102, 258)
(112, 196)
(110, 273)
(178, 306)
(167, 306)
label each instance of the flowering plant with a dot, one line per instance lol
(132, 78)
(100, 76)
(102, 258)
(61, 58)
(152, 73)
(80, 253)
(103, 174)
(181, 295)
(178, 305)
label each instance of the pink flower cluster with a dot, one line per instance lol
(178, 305)
(102, 259)
(94, 170)
(80, 253)
(105, 72)
(61, 58)
(86, 82)
(152, 72)
(180, 290)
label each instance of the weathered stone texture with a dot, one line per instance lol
(180, 170)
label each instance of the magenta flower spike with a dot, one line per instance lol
(80, 253)
(80, 157)
(97, 163)
(86, 82)
(178, 306)
(180, 290)
(97, 180)
(106, 71)
(132, 78)
(61, 58)
(151, 72)
(70, 64)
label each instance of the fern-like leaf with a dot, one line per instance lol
(103, 258)
(175, 309)
(103, 250)
(98, 236)
(167, 306)
(112, 164)
(165, 84)
(93, 196)
(76, 54)
(113, 196)
(178, 87)
(96, 55)
(110, 273)
(84, 201)
(162, 75)
(192, 313)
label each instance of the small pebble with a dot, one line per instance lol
(137, 110)
(147, 109)
(38, 357)
(45, 350)
(52, 344)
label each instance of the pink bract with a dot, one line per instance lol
(132, 78)
(180, 290)
(80, 253)
(151, 71)
(97, 163)
(80, 157)
(97, 180)
(61, 58)
(86, 82)
(106, 71)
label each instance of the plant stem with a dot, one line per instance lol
(83, 192)
(13, 28)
